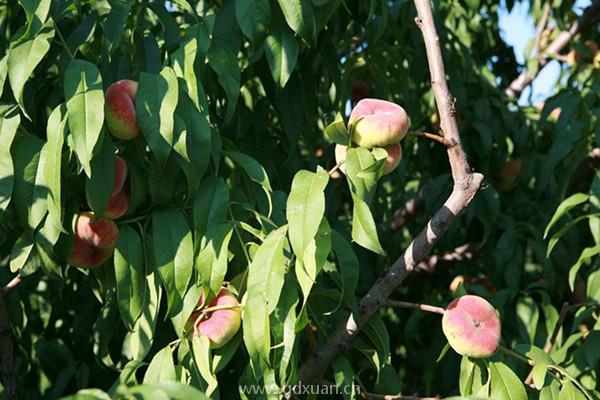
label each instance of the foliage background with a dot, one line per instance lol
(255, 91)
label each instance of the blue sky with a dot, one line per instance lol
(517, 29)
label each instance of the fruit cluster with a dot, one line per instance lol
(96, 236)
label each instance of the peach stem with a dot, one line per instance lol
(336, 167)
(433, 136)
(415, 306)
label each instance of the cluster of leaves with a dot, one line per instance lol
(229, 183)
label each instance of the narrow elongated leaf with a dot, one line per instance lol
(200, 347)
(472, 377)
(255, 172)
(348, 265)
(224, 62)
(305, 208)
(505, 384)
(3, 72)
(155, 105)
(281, 51)
(173, 253)
(570, 392)
(550, 392)
(161, 368)
(265, 280)
(24, 56)
(314, 257)
(585, 255)
(85, 109)
(211, 203)
(211, 262)
(130, 275)
(364, 230)
(253, 18)
(56, 133)
(564, 207)
(98, 187)
(185, 59)
(114, 25)
(299, 16)
(30, 193)
(9, 123)
(36, 12)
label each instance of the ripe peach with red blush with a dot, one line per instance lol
(120, 114)
(472, 326)
(378, 123)
(219, 321)
(95, 240)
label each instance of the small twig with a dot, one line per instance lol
(564, 38)
(64, 42)
(16, 281)
(541, 27)
(435, 137)
(336, 167)
(565, 309)
(516, 355)
(415, 306)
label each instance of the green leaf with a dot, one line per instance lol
(3, 72)
(161, 368)
(184, 63)
(24, 258)
(56, 133)
(540, 373)
(36, 12)
(305, 208)
(85, 108)
(224, 62)
(281, 51)
(211, 262)
(98, 187)
(210, 203)
(564, 207)
(24, 56)
(313, 259)
(9, 123)
(139, 340)
(550, 392)
(114, 25)
(585, 255)
(129, 275)
(529, 314)
(173, 252)
(30, 191)
(200, 347)
(570, 392)
(344, 376)
(155, 105)
(253, 18)
(337, 131)
(348, 265)
(505, 384)
(364, 230)
(472, 376)
(299, 16)
(265, 280)
(255, 172)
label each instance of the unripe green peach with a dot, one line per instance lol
(120, 113)
(95, 240)
(221, 324)
(394, 156)
(472, 326)
(378, 123)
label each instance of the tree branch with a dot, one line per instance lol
(540, 28)
(466, 185)
(6, 346)
(564, 38)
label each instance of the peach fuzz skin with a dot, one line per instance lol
(120, 109)
(378, 123)
(118, 203)
(95, 241)
(218, 326)
(391, 162)
(472, 326)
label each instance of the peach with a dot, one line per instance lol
(377, 123)
(510, 171)
(95, 241)
(120, 195)
(391, 162)
(221, 324)
(120, 109)
(472, 326)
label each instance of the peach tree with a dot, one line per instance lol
(264, 199)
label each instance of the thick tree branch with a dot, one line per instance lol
(564, 38)
(6, 346)
(466, 185)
